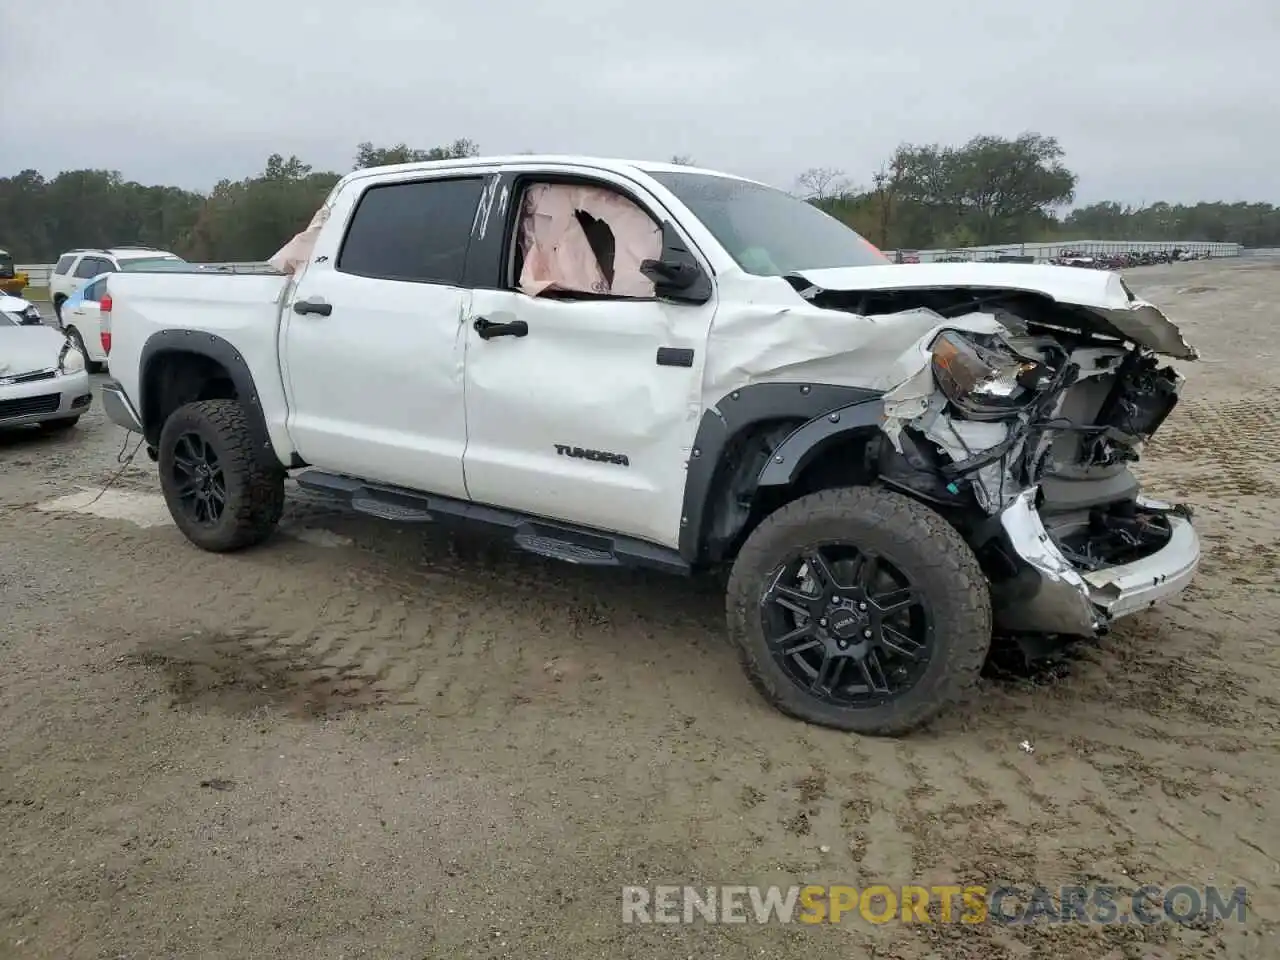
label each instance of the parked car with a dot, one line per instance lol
(76, 267)
(42, 375)
(27, 311)
(81, 320)
(649, 365)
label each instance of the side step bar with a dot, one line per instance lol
(547, 538)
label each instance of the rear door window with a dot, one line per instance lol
(417, 231)
(91, 267)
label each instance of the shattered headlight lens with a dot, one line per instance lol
(70, 360)
(985, 381)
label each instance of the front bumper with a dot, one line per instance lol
(41, 397)
(1053, 596)
(118, 408)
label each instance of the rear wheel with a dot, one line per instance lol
(221, 497)
(859, 609)
(57, 308)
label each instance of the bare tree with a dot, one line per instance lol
(683, 159)
(886, 186)
(821, 183)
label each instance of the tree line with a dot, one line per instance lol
(989, 190)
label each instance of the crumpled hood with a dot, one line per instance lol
(28, 349)
(1111, 308)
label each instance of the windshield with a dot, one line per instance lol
(149, 263)
(767, 232)
(10, 319)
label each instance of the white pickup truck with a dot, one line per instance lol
(640, 364)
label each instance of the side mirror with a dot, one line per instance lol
(677, 275)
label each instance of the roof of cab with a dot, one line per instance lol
(611, 165)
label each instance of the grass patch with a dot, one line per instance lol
(36, 293)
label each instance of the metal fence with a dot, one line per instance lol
(1039, 252)
(1042, 252)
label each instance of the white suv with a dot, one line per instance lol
(76, 267)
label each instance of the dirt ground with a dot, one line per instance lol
(368, 741)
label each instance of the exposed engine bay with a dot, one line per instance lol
(1047, 402)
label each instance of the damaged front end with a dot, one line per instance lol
(1025, 436)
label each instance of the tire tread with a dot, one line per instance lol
(261, 502)
(924, 534)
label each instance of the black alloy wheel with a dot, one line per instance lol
(847, 625)
(198, 479)
(861, 609)
(224, 490)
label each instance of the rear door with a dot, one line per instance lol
(83, 311)
(372, 338)
(589, 417)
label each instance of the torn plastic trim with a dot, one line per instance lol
(1070, 602)
(1062, 603)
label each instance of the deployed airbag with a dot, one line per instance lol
(558, 254)
(294, 255)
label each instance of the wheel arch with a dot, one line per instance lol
(737, 441)
(177, 367)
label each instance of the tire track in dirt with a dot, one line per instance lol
(609, 710)
(391, 623)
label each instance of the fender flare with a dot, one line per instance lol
(733, 415)
(803, 444)
(220, 352)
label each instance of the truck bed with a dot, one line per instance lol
(241, 309)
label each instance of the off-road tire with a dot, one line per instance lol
(916, 540)
(59, 426)
(255, 492)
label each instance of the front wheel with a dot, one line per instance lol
(860, 609)
(219, 494)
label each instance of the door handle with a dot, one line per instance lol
(488, 329)
(318, 307)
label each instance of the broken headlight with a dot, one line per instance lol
(985, 380)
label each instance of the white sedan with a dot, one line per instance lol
(42, 374)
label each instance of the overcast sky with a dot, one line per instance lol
(1152, 99)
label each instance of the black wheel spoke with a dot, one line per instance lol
(797, 641)
(873, 674)
(895, 601)
(793, 599)
(898, 642)
(866, 570)
(198, 480)
(821, 571)
(828, 675)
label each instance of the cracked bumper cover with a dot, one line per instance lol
(1067, 600)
